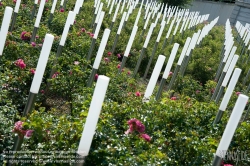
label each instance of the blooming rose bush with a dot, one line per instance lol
(136, 126)
(18, 128)
(174, 130)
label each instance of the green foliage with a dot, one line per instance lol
(180, 3)
(180, 128)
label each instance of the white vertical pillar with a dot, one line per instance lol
(93, 115)
(231, 125)
(4, 27)
(154, 76)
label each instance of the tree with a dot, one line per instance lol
(179, 3)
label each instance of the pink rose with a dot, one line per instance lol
(96, 76)
(32, 71)
(173, 98)
(28, 133)
(146, 137)
(33, 44)
(83, 29)
(20, 63)
(138, 94)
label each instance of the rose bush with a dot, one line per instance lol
(176, 130)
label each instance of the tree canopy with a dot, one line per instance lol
(180, 3)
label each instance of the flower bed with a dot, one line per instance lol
(176, 130)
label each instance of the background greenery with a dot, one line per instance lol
(181, 130)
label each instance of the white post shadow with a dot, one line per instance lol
(93, 115)
(154, 77)
(52, 12)
(144, 49)
(167, 70)
(95, 35)
(4, 27)
(38, 18)
(128, 48)
(179, 63)
(230, 129)
(13, 21)
(118, 32)
(99, 56)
